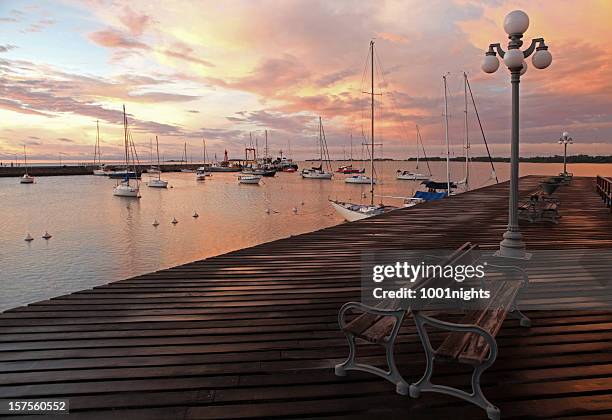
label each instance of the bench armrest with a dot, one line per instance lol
(360, 307)
(422, 320)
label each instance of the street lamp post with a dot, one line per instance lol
(565, 140)
(515, 25)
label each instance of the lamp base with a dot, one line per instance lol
(512, 246)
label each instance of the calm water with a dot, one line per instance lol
(99, 238)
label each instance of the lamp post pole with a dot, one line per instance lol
(565, 140)
(515, 25)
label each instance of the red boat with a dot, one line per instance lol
(289, 169)
(348, 169)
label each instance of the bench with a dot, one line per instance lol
(381, 325)
(539, 208)
(471, 341)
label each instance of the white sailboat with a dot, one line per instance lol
(202, 172)
(158, 183)
(26, 178)
(317, 172)
(100, 169)
(359, 179)
(351, 211)
(415, 176)
(124, 188)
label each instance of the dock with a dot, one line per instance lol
(254, 334)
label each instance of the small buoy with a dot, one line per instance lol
(302, 203)
(46, 235)
(155, 223)
(28, 238)
(195, 214)
(363, 195)
(174, 221)
(267, 211)
(294, 210)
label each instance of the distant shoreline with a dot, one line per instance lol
(534, 159)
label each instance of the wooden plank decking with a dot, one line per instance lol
(253, 333)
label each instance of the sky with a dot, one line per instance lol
(228, 70)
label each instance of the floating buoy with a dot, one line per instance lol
(294, 210)
(174, 221)
(46, 235)
(195, 214)
(28, 238)
(302, 203)
(267, 211)
(155, 223)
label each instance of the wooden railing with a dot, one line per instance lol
(604, 189)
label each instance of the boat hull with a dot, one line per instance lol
(158, 183)
(353, 212)
(316, 175)
(358, 180)
(412, 177)
(126, 191)
(26, 179)
(249, 179)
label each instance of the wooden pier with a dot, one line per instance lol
(254, 333)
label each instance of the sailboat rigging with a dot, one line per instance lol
(99, 167)
(124, 188)
(26, 178)
(202, 172)
(317, 172)
(351, 211)
(158, 183)
(415, 176)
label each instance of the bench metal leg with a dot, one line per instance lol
(425, 385)
(392, 375)
(524, 320)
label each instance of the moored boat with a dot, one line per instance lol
(249, 179)
(359, 179)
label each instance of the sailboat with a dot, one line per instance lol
(185, 160)
(99, 168)
(348, 169)
(26, 178)
(317, 172)
(124, 188)
(415, 176)
(158, 183)
(350, 211)
(203, 171)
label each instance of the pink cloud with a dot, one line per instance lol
(111, 38)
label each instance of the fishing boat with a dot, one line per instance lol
(352, 211)
(26, 178)
(157, 182)
(99, 168)
(224, 166)
(415, 176)
(317, 172)
(249, 179)
(124, 188)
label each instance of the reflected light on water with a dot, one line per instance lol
(99, 238)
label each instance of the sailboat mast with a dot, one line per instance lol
(97, 148)
(25, 159)
(467, 139)
(446, 137)
(351, 135)
(125, 144)
(158, 165)
(320, 143)
(417, 145)
(372, 123)
(266, 156)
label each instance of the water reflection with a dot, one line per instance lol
(98, 238)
